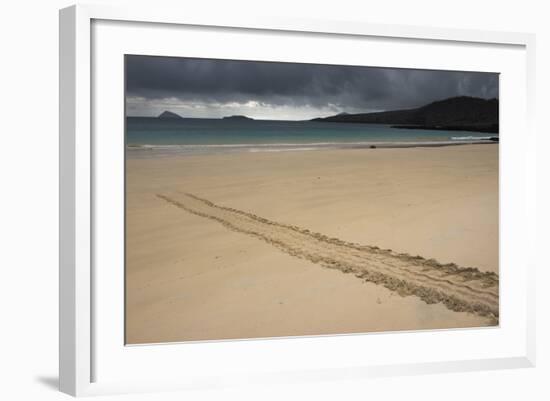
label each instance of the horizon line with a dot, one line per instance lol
(312, 118)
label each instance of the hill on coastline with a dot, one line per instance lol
(456, 113)
(169, 114)
(237, 118)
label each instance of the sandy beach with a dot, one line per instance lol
(269, 244)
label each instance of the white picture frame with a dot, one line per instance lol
(81, 342)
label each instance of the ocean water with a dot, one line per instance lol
(203, 136)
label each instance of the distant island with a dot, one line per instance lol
(238, 118)
(462, 113)
(170, 115)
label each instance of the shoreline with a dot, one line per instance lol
(205, 149)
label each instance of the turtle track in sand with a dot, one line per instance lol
(459, 288)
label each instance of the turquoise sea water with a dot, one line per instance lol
(199, 136)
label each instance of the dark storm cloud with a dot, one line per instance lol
(158, 82)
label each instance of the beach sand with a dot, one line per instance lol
(197, 271)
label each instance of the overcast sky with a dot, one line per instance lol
(208, 88)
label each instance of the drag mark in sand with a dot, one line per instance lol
(459, 288)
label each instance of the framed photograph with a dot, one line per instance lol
(277, 200)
